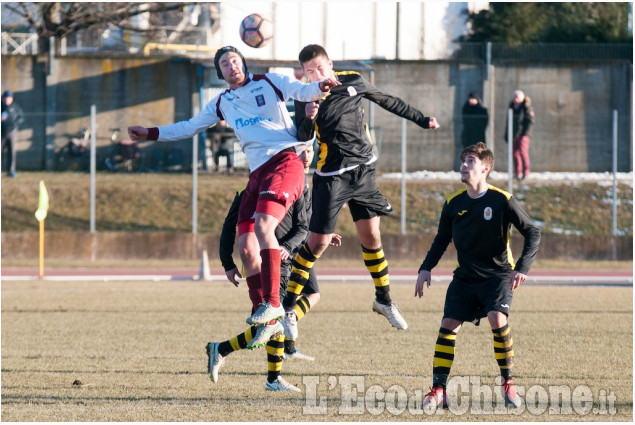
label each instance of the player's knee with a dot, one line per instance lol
(313, 299)
(318, 243)
(250, 259)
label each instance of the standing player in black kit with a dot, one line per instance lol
(478, 220)
(345, 174)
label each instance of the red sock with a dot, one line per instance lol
(255, 290)
(270, 276)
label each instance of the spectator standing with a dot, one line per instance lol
(12, 117)
(522, 123)
(475, 119)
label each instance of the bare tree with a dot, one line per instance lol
(59, 19)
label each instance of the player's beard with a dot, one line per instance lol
(235, 79)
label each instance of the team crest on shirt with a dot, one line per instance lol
(260, 100)
(487, 213)
(351, 91)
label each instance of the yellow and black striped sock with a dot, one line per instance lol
(300, 267)
(377, 265)
(275, 348)
(239, 342)
(503, 350)
(301, 309)
(443, 357)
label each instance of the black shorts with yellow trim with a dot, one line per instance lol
(357, 187)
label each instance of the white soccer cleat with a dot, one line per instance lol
(297, 355)
(391, 312)
(265, 314)
(290, 324)
(281, 385)
(214, 361)
(263, 334)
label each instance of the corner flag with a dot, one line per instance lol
(43, 204)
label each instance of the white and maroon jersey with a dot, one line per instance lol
(257, 113)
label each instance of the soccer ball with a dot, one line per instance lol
(256, 31)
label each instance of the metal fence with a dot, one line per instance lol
(542, 52)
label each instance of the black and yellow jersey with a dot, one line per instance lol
(340, 127)
(480, 230)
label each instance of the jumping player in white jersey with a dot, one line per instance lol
(254, 106)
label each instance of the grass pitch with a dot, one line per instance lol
(134, 351)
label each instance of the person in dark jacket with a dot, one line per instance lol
(522, 123)
(478, 220)
(475, 118)
(12, 117)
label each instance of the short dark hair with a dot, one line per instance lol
(311, 51)
(480, 150)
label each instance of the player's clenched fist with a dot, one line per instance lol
(311, 110)
(137, 133)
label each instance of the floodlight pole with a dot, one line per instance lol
(403, 176)
(93, 164)
(614, 209)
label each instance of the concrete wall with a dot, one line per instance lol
(170, 246)
(573, 104)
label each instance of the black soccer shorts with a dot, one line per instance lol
(470, 301)
(356, 187)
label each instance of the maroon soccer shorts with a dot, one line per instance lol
(272, 189)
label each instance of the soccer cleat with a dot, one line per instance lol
(391, 312)
(214, 360)
(265, 314)
(509, 392)
(290, 324)
(437, 397)
(281, 385)
(297, 355)
(263, 334)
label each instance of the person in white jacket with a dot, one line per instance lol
(254, 106)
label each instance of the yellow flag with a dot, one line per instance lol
(43, 204)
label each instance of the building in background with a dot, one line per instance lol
(349, 30)
(353, 30)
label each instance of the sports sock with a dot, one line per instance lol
(274, 348)
(301, 309)
(270, 276)
(300, 267)
(443, 357)
(377, 265)
(255, 290)
(503, 350)
(239, 342)
(289, 345)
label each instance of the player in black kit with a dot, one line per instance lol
(478, 221)
(345, 174)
